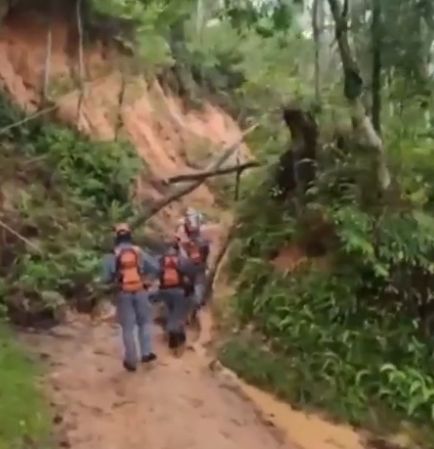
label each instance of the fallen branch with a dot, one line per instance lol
(46, 110)
(20, 237)
(179, 193)
(207, 174)
(27, 119)
(35, 159)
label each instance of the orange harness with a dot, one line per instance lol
(127, 268)
(170, 275)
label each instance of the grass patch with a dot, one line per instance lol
(24, 415)
(244, 355)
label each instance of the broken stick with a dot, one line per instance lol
(208, 174)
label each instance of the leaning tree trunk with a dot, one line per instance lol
(353, 90)
(297, 166)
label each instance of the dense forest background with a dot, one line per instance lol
(333, 254)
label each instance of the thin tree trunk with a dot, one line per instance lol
(376, 64)
(47, 68)
(316, 37)
(353, 90)
(120, 104)
(80, 58)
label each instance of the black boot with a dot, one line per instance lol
(129, 366)
(181, 338)
(173, 340)
(149, 358)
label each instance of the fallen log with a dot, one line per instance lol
(208, 174)
(179, 193)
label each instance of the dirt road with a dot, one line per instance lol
(175, 404)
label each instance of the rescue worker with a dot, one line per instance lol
(131, 269)
(175, 284)
(190, 223)
(196, 248)
(193, 219)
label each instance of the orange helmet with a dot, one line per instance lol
(122, 228)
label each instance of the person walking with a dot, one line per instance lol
(176, 285)
(131, 269)
(196, 248)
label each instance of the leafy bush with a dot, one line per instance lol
(67, 192)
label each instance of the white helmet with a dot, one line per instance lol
(190, 212)
(193, 220)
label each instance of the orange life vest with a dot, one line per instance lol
(128, 269)
(170, 275)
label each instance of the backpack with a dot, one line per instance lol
(193, 251)
(170, 275)
(128, 269)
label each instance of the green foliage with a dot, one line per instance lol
(259, 366)
(359, 334)
(24, 415)
(265, 17)
(344, 353)
(65, 193)
(353, 337)
(152, 22)
(356, 335)
(274, 371)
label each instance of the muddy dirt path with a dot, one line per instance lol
(184, 403)
(177, 403)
